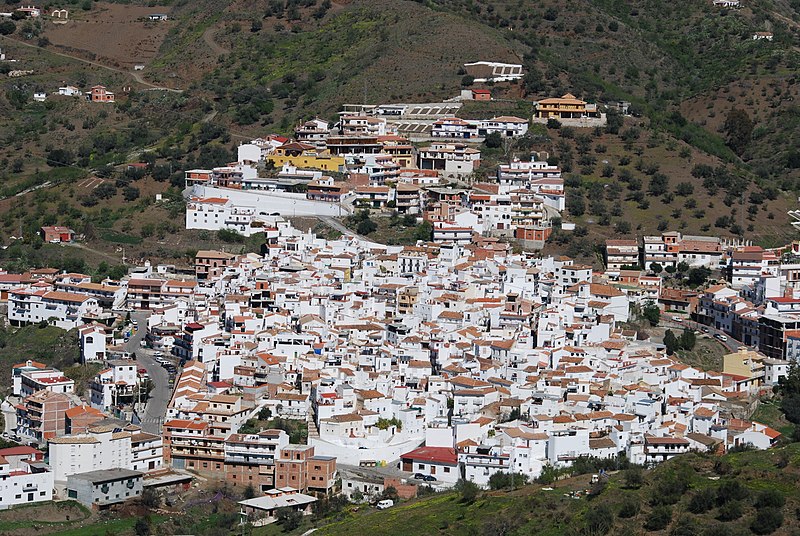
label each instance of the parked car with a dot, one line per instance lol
(384, 504)
(721, 337)
(677, 319)
(419, 476)
(429, 478)
(705, 330)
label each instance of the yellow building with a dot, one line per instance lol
(566, 107)
(747, 364)
(400, 149)
(303, 155)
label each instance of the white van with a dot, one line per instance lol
(384, 504)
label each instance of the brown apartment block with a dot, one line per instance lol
(250, 458)
(190, 445)
(210, 264)
(299, 468)
(42, 415)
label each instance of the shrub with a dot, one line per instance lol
(288, 518)
(770, 498)
(599, 520)
(634, 476)
(729, 511)
(659, 518)
(702, 501)
(366, 227)
(230, 236)
(731, 490)
(685, 526)
(629, 507)
(767, 521)
(150, 498)
(468, 490)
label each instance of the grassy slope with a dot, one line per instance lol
(532, 511)
(48, 345)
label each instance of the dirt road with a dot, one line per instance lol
(136, 76)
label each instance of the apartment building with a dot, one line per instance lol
(250, 459)
(749, 263)
(449, 158)
(218, 213)
(47, 379)
(115, 386)
(672, 248)
(189, 444)
(145, 293)
(63, 309)
(299, 468)
(107, 296)
(41, 416)
(621, 253)
(209, 264)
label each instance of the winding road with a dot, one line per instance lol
(135, 75)
(208, 38)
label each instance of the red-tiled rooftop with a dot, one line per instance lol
(433, 454)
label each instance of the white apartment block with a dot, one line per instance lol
(62, 309)
(449, 158)
(104, 447)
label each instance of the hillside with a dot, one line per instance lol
(237, 69)
(740, 493)
(49, 345)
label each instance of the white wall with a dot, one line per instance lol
(285, 204)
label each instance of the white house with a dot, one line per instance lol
(24, 477)
(70, 91)
(93, 343)
(506, 126)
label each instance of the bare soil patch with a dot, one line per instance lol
(115, 34)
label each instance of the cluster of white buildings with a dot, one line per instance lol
(489, 359)
(458, 360)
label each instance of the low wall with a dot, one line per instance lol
(353, 455)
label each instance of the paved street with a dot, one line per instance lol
(156, 407)
(731, 343)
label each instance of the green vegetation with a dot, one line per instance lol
(693, 494)
(296, 428)
(390, 229)
(49, 345)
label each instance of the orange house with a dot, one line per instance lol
(101, 94)
(481, 95)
